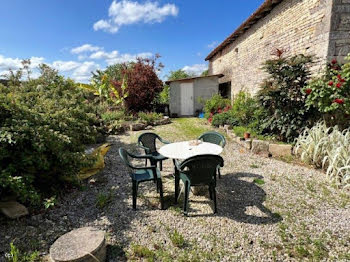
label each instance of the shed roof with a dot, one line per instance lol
(192, 78)
(261, 12)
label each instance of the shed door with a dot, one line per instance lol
(187, 99)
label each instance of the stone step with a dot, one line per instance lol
(13, 209)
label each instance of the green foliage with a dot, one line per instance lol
(205, 73)
(178, 74)
(163, 96)
(245, 108)
(50, 202)
(283, 99)
(149, 118)
(110, 116)
(214, 104)
(103, 199)
(226, 118)
(143, 252)
(177, 239)
(329, 148)
(15, 255)
(330, 94)
(44, 124)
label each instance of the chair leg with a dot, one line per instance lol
(145, 162)
(161, 165)
(161, 193)
(214, 196)
(134, 194)
(210, 193)
(187, 192)
(177, 186)
(219, 173)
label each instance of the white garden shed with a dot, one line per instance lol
(185, 94)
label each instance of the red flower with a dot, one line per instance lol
(339, 101)
(339, 85)
(211, 114)
(342, 80)
(219, 111)
(334, 61)
(210, 120)
(330, 83)
(227, 108)
(308, 91)
(339, 77)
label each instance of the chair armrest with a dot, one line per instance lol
(163, 141)
(143, 147)
(140, 156)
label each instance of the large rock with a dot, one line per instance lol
(81, 245)
(260, 147)
(200, 190)
(164, 121)
(13, 209)
(280, 150)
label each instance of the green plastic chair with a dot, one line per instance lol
(147, 141)
(198, 171)
(214, 138)
(142, 174)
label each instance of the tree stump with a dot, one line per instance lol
(81, 245)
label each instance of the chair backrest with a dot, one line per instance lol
(201, 169)
(214, 138)
(124, 155)
(148, 140)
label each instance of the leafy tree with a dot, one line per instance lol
(143, 84)
(205, 73)
(178, 74)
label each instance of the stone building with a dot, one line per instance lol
(312, 27)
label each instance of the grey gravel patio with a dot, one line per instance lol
(267, 210)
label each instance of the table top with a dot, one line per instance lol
(183, 150)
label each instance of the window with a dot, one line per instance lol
(225, 90)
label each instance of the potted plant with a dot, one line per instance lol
(246, 135)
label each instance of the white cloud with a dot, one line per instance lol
(83, 72)
(15, 63)
(127, 12)
(115, 57)
(85, 48)
(196, 69)
(213, 44)
(65, 66)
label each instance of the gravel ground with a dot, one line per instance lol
(267, 210)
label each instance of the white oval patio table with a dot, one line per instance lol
(183, 150)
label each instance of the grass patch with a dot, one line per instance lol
(139, 251)
(259, 181)
(16, 255)
(103, 199)
(177, 239)
(254, 166)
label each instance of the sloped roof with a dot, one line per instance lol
(261, 12)
(192, 78)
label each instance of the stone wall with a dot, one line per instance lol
(299, 26)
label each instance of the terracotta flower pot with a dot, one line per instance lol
(246, 135)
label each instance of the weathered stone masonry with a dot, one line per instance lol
(314, 27)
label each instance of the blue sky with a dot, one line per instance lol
(79, 36)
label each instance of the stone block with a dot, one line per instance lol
(247, 143)
(81, 245)
(280, 150)
(163, 121)
(260, 147)
(137, 126)
(13, 209)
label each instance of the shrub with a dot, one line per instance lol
(149, 118)
(215, 105)
(44, 124)
(246, 109)
(330, 94)
(329, 148)
(283, 99)
(226, 118)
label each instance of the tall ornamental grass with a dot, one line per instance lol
(327, 148)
